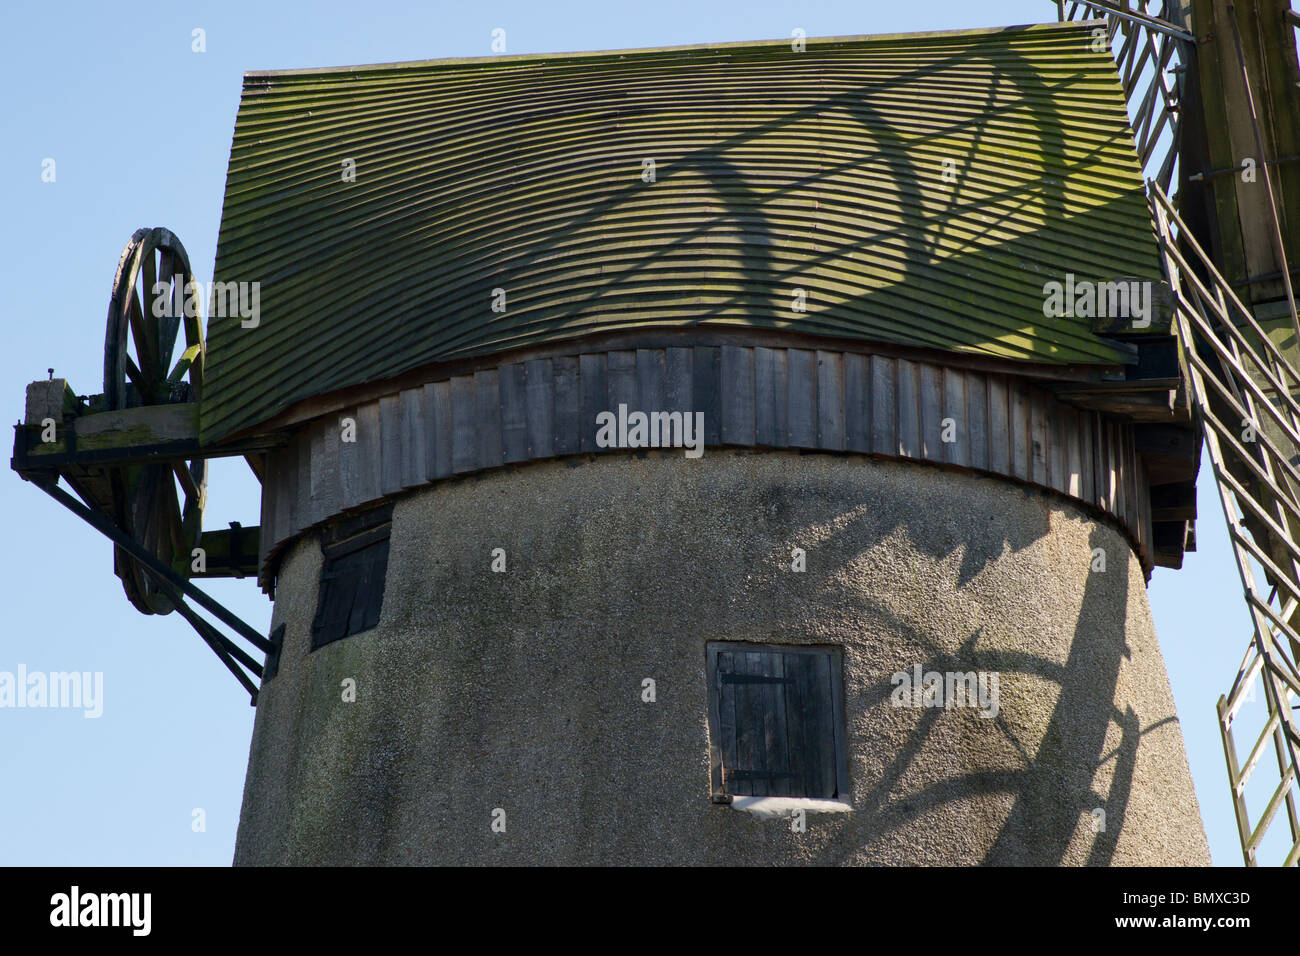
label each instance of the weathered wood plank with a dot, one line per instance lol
(1087, 453)
(348, 460)
(231, 552)
(1144, 504)
(487, 418)
(283, 476)
(1122, 497)
(326, 467)
(568, 405)
(1039, 451)
(1073, 455)
(595, 398)
(415, 431)
(621, 379)
(909, 411)
(1105, 470)
(390, 444)
(1021, 431)
(706, 383)
(930, 386)
(999, 425)
(1058, 445)
(977, 407)
(857, 402)
(464, 449)
(955, 422)
(801, 401)
(539, 389)
(267, 520)
(738, 415)
(369, 439)
(514, 413)
(437, 398)
(1098, 440)
(771, 425)
(884, 406)
(679, 386)
(650, 374)
(830, 400)
(302, 488)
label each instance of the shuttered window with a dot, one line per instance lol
(775, 721)
(352, 579)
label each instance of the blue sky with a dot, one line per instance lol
(139, 127)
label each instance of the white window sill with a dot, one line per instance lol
(771, 808)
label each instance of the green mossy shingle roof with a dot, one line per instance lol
(820, 170)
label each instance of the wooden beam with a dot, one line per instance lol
(150, 433)
(229, 552)
(1170, 453)
(1168, 540)
(1137, 405)
(1173, 502)
(51, 398)
(1159, 306)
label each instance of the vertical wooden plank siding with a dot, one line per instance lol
(909, 411)
(539, 391)
(487, 418)
(930, 391)
(738, 422)
(884, 406)
(706, 398)
(441, 424)
(464, 450)
(568, 401)
(766, 397)
(369, 442)
(857, 408)
(957, 451)
(415, 452)
(514, 414)
(1021, 439)
(977, 410)
(830, 401)
(595, 399)
(349, 467)
(621, 380)
(801, 391)
(1039, 453)
(305, 505)
(390, 444)
(651, 369)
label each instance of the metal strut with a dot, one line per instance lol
(174, 586)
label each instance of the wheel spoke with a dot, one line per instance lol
(143, 344)
(169, 324)
(183, 364)
(135, 375)
(182, 470)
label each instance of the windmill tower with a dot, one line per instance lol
(738, 453)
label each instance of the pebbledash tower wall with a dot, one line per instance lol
(901, 509)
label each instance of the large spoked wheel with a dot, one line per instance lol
(160, 506)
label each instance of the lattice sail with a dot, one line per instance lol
(1151, 45)
(1243, 392)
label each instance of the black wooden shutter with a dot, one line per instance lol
(352, 579)
(777, 712)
